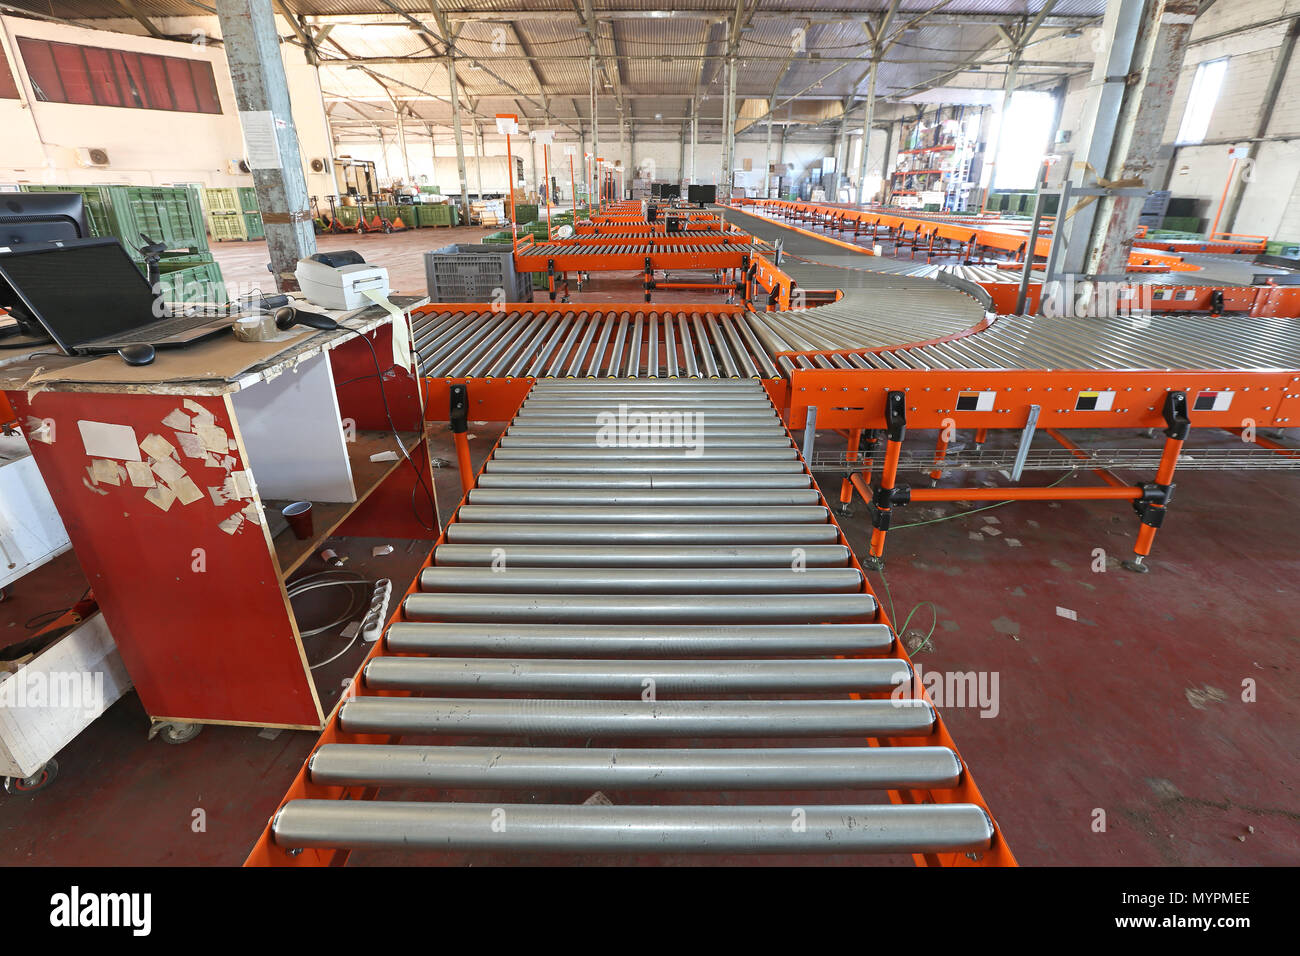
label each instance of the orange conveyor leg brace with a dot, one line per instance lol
(1150, 500)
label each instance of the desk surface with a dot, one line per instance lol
(213, 367)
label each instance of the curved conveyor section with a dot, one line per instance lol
(883, 304)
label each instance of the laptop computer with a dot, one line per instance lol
(90, 298)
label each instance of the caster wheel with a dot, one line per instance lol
(845, 511)
(179, 733)
(1136, 565)
(873, 562)
(37, 781)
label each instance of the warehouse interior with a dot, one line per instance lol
(589, 433)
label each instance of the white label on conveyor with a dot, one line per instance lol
(1094, 401)
(975, 401)
(1212, 401)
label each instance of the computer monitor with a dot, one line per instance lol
(701, 194)
(670, 191)
(41, 217)
(107, 294)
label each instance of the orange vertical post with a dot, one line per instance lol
(1152, 506)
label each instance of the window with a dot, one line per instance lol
(1023, 143)
(8, 86)
(1200, 101)
(94, 76)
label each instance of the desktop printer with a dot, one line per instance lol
(337, 280)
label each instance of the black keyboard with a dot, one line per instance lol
(159, 331)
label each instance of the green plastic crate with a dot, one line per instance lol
(438, 214)
(247, 199)
(349, 215)
(253, 225)
(525, 212)
(188, 283)
(165, 214)
(96, 201)
(227, 227)
(221, 200)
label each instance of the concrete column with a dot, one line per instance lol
(454, 91)
(1165, 29)
(1099, 129)
(252, 48)
(767, 153)
(868, 117)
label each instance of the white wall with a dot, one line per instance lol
(1271, 198)
(145, 147)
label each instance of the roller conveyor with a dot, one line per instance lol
(696, 672)
(592, 342)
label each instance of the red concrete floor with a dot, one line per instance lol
(1134, 709)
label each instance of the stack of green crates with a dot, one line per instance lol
(437, 214)
(525, 212)
(172, 215)
(252, 215)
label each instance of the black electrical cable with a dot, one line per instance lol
(388, 413)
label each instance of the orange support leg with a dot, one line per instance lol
(1152, 506)
(846, 485)
(896, 429)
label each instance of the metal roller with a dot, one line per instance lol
(621, 514)
(523, 532)
(589, 430)
(637, 718)
(653, 640)
(627, 769)
(620, 465)
(647, 497)
(633, 609)
(514, 579)
(691, 439)
(580, 678)
(698, 480)
(937, 828)
(750, 453)
(644, 556)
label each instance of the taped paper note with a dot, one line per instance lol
(155, 446)
(401, 334)
(168, 470)
(98, 491)
(231, 524)
(103, 470)
(260, 144)
(177, 420)
(186, 490)
(191, 445)
(252, 512)
(141, 475)
(103, 440)
(160, 495)
(213, 437)
(201, 415)
(218, 495)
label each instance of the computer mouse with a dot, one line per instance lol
(137, 354)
